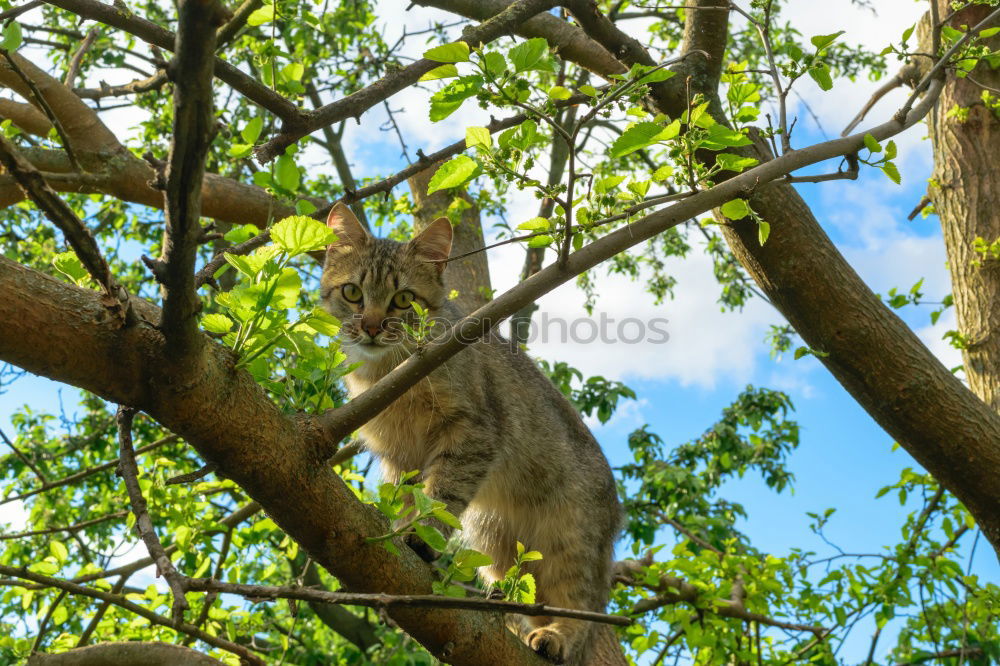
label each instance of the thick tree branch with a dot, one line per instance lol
(126, 654)
(25, 117)
(193, 130)
(570, 41)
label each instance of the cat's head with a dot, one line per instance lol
(371, 283)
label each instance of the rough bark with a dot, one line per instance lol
(966, 197)
(126, 654)
(470, 276)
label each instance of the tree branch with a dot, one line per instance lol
(129, 471)
(193, 130)
(388, 601)
(126, 654)
(570, 41)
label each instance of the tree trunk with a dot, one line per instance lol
(966, 196)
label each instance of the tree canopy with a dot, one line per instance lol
(166, 171)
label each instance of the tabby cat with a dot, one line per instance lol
(490, 434)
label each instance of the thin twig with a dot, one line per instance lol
(199, 473)
(68, 528)
(388, 600)
(23, 457)
(77, 60)
(129, 471)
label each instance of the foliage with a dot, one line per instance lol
(624, 158)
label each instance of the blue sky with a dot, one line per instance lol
(844, 457)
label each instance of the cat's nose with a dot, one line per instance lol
(371, 325)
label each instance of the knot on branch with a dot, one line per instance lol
(156, 267)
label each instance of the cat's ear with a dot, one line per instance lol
(434, 243)
(350, 232)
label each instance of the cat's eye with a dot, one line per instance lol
(351, 293)
(402, 300)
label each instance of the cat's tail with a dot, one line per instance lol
(603, 648)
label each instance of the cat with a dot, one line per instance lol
(491, 435)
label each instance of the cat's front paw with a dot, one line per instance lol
(548, 643)
(420, 547)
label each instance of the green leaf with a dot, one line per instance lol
(442, 72)
(531, 556)
(663, 173)
(431, 536)
(453, 52)
(261, 16)
(447, 518)
(59, 551)
(763, 231)
(477, 136)
(447, 100)
(472, 559)
(823, 41)
(494, 63)
(526, 589)
(988, 32)
(872, 145)
(298, 234)
(820, 73)
(535, 224)
(590, 91)
(541, 241)
(720, 137)
(528, 55)
(69, 265)
(323, 322)
(453, 173)
(286, 173)
(730, 162)
(305, 207)
(46, 567)
(293, 71)
(12, 37)
(559, 92)
(241, 233)
(736, 209)
(889, 169)
(216, 323)
(640, 136)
